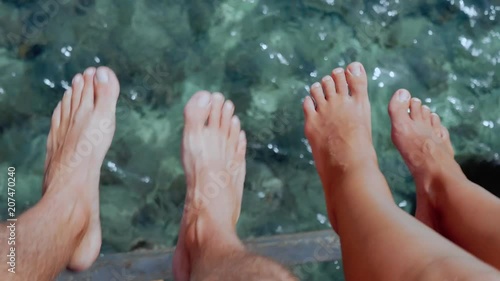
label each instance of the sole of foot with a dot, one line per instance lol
(213, 155)
(338, 126)
(426, 148)
(82, 128)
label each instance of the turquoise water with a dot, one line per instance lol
(262, 54)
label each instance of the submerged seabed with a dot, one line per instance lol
(261, 54)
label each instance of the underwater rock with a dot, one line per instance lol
(340, 7)
(264, 184)
(20, 3)
(82, 6)
(200, 15)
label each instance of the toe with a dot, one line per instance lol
(76, 93)
(398, 107)
(56, 117)
(87, 101)
(65, 112)
(426, 113)
(107, 90)
(76, 96)
(308, 106)
(55, 123)
(317, 94)
(328, 87)
(234, 132)
(215, 114)
(435, 121)
(242, 146)
(357, 81)
(416, 109)
(227, 113)
(197, 110)
(340, 81)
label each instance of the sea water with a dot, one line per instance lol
(263, 55)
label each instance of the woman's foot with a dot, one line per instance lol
(426, 148)
(81, 132)
(213, 154)
(338, 127)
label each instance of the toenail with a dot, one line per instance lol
(235, 120)
(327, 78)
(338, 70)
(77, 79)
(90, 71)
(228, 105)
(102, 75)
(417, 100)
(355, 69)
(204, 100)
(316, 85)
(218, 96)
(404, 96)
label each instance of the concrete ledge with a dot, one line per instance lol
(293, 249)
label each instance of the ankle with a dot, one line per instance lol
(437, 181)
(356, 188)
(205, 236)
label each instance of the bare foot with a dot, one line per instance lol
(426, 148)
(339, 127)
(213, 154)
(81, 132)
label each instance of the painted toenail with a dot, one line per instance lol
(204, 100)
(355, 69)
(327, 78)
(102, 75)
(90, 71)
(404, 96)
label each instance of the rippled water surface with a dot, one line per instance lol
(262, 54)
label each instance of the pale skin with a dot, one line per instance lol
(213, 154)
(376, 247)
(379, 240)
(63, 229)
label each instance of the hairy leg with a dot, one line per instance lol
(63, 229)
(379, 240)
(447, 201)
(213, 153)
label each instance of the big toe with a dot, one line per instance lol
(357, 81)
(197, 110)
(398, 107)
(107, 90)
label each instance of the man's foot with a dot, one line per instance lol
(338, 127)
(426, 148)
(213, 154)
(81, 132)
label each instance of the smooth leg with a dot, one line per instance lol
(447, 201)
(379, 240)
(213, 153)
(63, 229)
